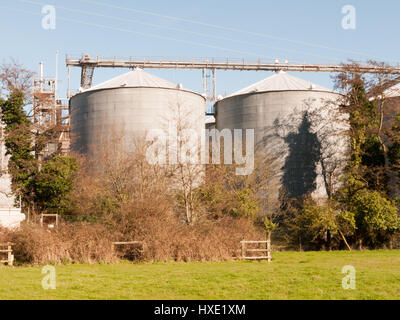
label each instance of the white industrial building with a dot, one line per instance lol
(10, 214)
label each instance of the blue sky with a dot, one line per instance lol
(302, 31)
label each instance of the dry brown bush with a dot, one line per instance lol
(211, 241)
(169, 239)
(131, 200)
(166, 239)
(70, 243)
(137, 201)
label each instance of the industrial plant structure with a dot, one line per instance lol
(294, 120)
(295, 125)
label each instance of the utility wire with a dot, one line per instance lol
(181, 30)
(236, 30)
(144, 34)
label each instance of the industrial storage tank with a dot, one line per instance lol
(297, 124)
(132, 104)
(392, 101)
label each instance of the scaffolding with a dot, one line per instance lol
(50, 113)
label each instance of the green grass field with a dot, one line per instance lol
(291, 275)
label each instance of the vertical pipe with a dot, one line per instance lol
(56, 82)
(41, 76)
(54, 113)
(204, 82)
(69, 83)
(214, 85)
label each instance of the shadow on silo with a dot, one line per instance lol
(299, 170)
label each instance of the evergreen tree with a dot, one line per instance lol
(22, 164)
(53, 184)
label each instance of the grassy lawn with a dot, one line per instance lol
(291, 275)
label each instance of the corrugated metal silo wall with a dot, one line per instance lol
(282, 130)
(98, 115)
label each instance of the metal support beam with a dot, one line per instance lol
(221, 65)
(88, 64)
(87, 76)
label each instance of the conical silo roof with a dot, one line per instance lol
(136, 78)
(393, 92)
(281, 81)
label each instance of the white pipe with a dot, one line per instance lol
(56, 82)
(41, 75)
(69, 83)
(204, 82)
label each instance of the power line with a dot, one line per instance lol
(230, 29)
(145, 34)
(180, 30)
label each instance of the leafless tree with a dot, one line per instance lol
(184, 158)
(15, 77)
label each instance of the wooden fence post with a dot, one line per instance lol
(269, 251)
(6, 248)
(243, 249)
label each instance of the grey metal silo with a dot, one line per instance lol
(133, 103)
(277, 108)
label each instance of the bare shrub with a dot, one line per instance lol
(71, 243)
(167, 238)
(116, 179)
(129, 199)
(89, 243)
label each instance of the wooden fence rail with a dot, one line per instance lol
(53, 217)
(7, 252)
(140, 244)
(246, 250)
